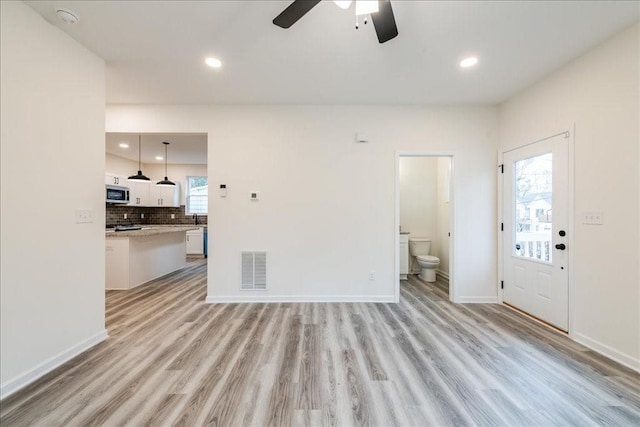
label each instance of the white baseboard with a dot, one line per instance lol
(23, 380)
(443, 274)
(611, 353)
(211, 299)
(476, 300)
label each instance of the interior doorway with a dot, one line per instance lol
(424, 221)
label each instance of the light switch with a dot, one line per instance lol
(593, 217)
(253, 196)
(84, 216)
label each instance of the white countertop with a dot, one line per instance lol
(151, 230)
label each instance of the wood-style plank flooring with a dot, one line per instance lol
(171, 359)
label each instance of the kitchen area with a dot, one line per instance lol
(156, 205)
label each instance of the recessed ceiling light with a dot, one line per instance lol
(123, 145)
(159, 158)
(67, 16)
(468, 62)
(213, 62)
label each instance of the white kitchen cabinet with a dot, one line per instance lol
(166, 196)
(113, 179)
(404, 256)
(195, 242)
(139, 193)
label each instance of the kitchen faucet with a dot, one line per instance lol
(195, 216)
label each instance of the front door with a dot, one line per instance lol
(536, 181)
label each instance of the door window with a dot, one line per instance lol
(533, 201)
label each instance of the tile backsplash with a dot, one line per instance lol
(152, 215)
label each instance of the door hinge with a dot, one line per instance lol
(502, 284)
(501, 168)
(502, 226)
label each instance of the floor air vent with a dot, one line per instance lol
(254, 270)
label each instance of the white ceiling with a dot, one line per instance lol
(183, 148)
(155, 49)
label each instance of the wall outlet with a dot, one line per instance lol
(125, 216)
(142, 216)
(173, 216)
(84, 216)
(372, 276)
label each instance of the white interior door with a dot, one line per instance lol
(536, 181)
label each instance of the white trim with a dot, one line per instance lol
(452, 217)
(213, 299)
(571, 231)
(610, 352)
(23, 380)
(443, 273)
(500, 232)
(477, 300)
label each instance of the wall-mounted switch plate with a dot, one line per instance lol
(84, 216)
(142, 216)
(173, 216)
(223, 190)
(125, 216)
(593, 218)
(253, 195)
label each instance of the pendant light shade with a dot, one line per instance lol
(139, 176)
(165, 181)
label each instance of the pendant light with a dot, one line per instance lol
(165, 181)
(139, 176)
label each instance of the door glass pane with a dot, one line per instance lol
(533, 196)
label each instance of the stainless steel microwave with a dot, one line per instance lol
(117, 194)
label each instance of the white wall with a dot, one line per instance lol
(418, 192)
(442, 250)
(177, 172)
(120, 166)
(326, 214)
(599, 93)
(52, 269)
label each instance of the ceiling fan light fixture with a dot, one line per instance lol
(139, 176)
(365, 7)
(165, 182)
(343, 4)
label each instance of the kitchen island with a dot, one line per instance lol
(134, 257)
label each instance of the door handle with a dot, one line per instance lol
(561, 246)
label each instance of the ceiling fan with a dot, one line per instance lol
(380, 11)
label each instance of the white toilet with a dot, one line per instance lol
(419, 247)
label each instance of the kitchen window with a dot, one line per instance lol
(197, 195)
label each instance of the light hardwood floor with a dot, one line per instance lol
(171, 359)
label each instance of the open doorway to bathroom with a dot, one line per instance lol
(424, 213)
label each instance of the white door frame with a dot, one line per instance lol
(452, 218)
(570, 130)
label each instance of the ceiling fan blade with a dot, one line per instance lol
(384, 22)
(294, 12)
